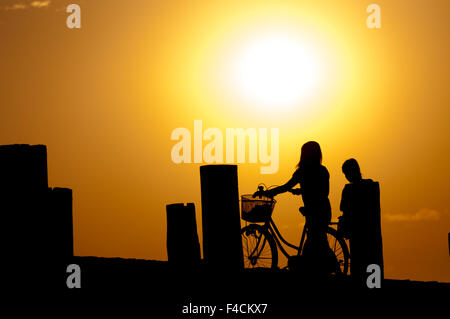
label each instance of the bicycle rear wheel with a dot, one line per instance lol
(259, 247)
(339, 248)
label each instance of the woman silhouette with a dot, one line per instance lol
(313, 178)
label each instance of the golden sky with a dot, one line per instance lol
(105, 99)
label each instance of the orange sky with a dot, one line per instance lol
(106, 98)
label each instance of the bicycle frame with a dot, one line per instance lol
(279, 239)
(273, 230)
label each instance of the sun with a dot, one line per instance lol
(275, 71)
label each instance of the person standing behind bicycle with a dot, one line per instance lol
(360, 221)
(313, 178)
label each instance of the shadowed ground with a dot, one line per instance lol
(169, 289)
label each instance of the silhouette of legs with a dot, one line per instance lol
(319, 257)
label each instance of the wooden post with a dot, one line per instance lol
(23, 203)
(23, 192)
(183, 247)
(61, 224)
(222, 243)
(37, 232)
(23, 166)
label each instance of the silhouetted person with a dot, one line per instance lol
(313, 178)
(360, 204)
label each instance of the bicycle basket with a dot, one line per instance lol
(256, 210)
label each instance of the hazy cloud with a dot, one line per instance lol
(40, 4)
(16, 6)
(23, 6)
(424, 214)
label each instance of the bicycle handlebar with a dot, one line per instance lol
(265, 192)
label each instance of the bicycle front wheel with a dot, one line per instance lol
(259, 247)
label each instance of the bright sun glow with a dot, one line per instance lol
(275, 71)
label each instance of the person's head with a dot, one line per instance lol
(351, 170)
(310, 155)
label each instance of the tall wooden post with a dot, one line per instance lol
(23, 190)
(36, 230)
(183, 247)
(23, 166)
(222, 243)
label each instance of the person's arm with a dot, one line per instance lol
(283, 188)
(296, 191)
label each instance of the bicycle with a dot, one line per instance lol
(261, 238)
